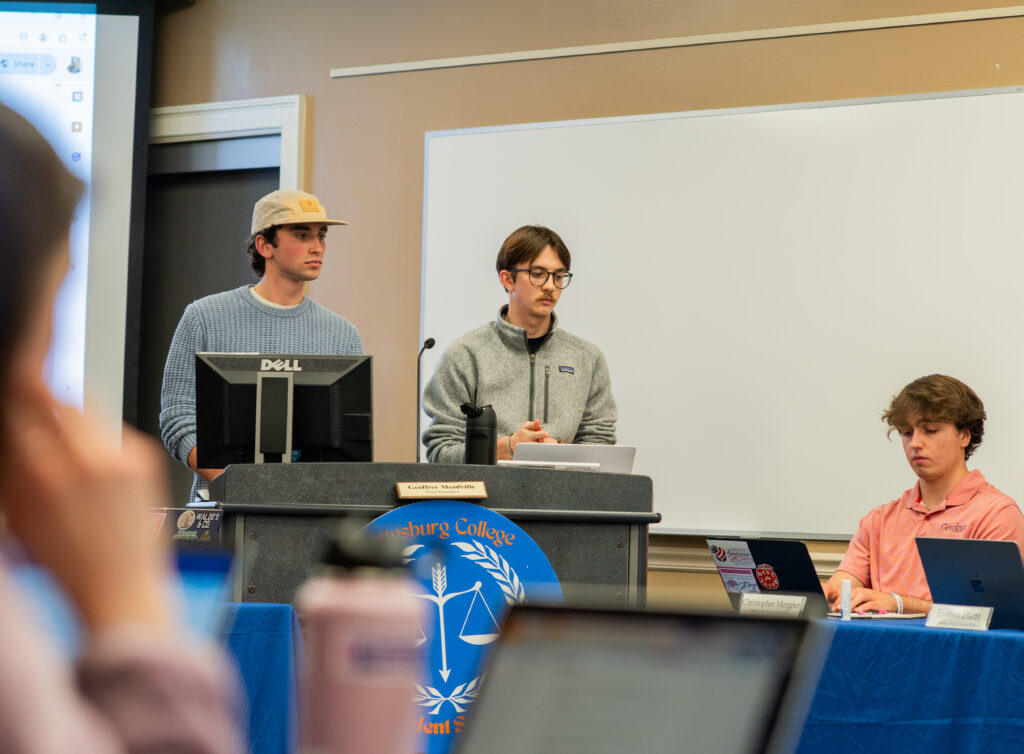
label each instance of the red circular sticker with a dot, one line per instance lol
(767, 577)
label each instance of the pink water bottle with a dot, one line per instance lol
(363, 650)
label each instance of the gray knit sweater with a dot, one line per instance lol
(565, 384)
(236, 322)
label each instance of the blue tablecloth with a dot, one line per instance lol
(267, 643)
(899, 686)
(886, 686)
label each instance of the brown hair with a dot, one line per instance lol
(38, 197)
(526, 244)
(256, 260)
(938, 398)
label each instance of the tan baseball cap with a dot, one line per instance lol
(288, 206)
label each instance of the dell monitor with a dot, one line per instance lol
(282, 408)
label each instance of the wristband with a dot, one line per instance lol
(899, 603)
(508, 441)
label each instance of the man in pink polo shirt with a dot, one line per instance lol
(941, 422)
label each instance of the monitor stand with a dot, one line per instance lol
(274, 396)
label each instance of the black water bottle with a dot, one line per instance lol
(481, 434)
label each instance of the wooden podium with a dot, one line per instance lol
(592, 526)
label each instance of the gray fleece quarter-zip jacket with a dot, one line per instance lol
(565, 384)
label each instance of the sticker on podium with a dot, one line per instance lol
(187, 526)
(777, 605)
(967, 617)
(441, 491)
(470, 565)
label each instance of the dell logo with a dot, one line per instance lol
(280, 365)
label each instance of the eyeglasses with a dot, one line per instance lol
(539, 276)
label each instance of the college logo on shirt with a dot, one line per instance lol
(956, 528)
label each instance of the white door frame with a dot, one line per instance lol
(269, 116)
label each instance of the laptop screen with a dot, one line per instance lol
(569, 680)
(199, 585)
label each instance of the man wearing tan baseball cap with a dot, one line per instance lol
(286, 250)
(287, 245)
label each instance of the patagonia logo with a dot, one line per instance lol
(280, 365)
(954, 527)
(567, 370)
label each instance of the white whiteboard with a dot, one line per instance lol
(762, 281)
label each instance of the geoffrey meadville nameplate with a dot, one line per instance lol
(959, 616)
(441, 490)
(778, 605)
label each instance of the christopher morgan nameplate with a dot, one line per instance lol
(777, 605)
(441, 491)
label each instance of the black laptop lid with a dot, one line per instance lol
(767, 566)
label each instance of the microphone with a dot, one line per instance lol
(428, 343)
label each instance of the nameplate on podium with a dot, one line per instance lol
(441, 490)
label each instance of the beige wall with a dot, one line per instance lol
(366, 150)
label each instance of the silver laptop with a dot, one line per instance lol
(616, 459)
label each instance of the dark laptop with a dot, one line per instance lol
(976, 572)
(768, 566)
(573, 680)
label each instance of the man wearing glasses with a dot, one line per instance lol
(545, 385)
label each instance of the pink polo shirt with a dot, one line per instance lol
(883, 555)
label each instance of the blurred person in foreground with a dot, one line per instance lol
(78, 505)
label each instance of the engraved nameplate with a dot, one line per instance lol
(777, 605)
(959, 616)
(441, 491)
